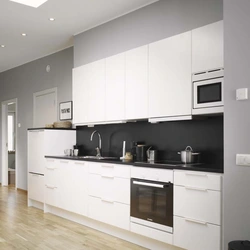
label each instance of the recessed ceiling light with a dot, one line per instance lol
(52, 19)
(2, 46)
(31, 3)
(24, 34)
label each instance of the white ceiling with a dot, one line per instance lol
(45, 37)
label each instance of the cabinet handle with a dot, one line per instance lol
(50, 160)
(50, 168)
(108, 166)
(196, 221)
(197, 189)
(108, 201)
(50, 187)
(79, 163)
(107, 176)
(195, 174)
(64, 161)
(148, 184)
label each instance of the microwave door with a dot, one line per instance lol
(208, 93)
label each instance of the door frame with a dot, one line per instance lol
(4, 160)
(44, 92)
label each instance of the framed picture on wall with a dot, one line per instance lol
(65, 110)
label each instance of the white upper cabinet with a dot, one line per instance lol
(207, 47)
(89, 93)
(137, 83)
(115, 87)
(170, 88)
(96, 103)
(80, 94)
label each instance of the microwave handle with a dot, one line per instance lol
(148, 184)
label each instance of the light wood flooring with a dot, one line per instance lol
(23, 227)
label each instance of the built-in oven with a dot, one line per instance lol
(208, 89)
(152, 204)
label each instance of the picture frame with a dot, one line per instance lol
(66, 111)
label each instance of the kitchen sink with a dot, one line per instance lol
(99, 157)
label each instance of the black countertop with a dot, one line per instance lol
(171, 165)
(30, 129)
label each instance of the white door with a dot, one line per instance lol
(137, 83)
(170, 88)
(44, 107)
(207, 47)
(115, 87)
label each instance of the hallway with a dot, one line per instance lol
(23, 227)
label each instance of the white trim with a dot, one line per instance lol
(4, 161)
(170, 118)
(44, 92)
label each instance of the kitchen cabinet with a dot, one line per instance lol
(65, 182)
(36, 187)
(115, 88)
(109, 200)
(137, 83)
(207, 47)
(170, 88)
(43, 142)
(36, 148)
(89, 93)
(197, 210)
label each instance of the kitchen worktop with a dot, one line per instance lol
(202, 167)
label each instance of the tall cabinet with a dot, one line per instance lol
(170, 76)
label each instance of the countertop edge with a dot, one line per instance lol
(205, 167)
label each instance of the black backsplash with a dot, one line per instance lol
(205, 136)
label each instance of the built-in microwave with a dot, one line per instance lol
(208, 89)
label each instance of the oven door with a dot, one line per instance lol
(208, 93)
(152, 202)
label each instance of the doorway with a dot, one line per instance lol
(9, 142)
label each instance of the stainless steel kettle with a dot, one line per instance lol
(187, 155)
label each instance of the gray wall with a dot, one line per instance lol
(236, 120)
(151, 23)
(22, 82)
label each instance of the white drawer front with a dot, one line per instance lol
(198, 179)
(109, 212)
(152, 233)
(162, 175)
(51, 176)
(110, 188)
(193, 235)
(111, 170)
(36, 187)
(52, 163)
(200, 204)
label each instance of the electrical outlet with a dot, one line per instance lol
(243, 160)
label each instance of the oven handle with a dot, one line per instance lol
(149, 184)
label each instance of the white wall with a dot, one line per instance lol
(22, 82)
(236, 120)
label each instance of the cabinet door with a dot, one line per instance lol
(96, 91)
(80, 91)
(36, 160)
(170, 85)
(207, 47)
(115, 87)
(36, 187)
(137, 83)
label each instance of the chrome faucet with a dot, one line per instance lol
(98, 149)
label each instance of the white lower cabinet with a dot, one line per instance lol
(194, 235)
(110, 212)
(109, 194)
(36, 187)
(197, 210)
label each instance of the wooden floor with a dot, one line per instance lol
(23, 227)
